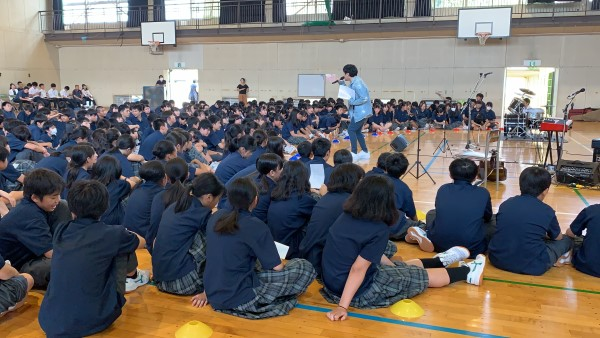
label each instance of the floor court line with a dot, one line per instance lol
(587, 204)
(401, 322)
(562, 288)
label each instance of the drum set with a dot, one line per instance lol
(521, 121)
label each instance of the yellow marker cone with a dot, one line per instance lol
(406, 308)
(194, 329)
(421, 215)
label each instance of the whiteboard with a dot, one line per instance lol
(161, 31)
(312, 85)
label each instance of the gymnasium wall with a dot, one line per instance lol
(23, 54)
(408, 69)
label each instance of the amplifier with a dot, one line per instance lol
(586, 173)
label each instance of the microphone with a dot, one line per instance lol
(338, 81)
(577, 92)
(486, 74)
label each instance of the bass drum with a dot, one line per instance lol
(516, 105)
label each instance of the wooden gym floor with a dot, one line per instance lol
(562, 303)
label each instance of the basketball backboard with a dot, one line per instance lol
(495, 20)
(160, 31)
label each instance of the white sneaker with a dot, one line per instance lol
(453, 255)
(344, 133)
(397, 129)
(355, 157)
(564, 259)
(142, 279)
(363, 155)
(476, 268)
(418, 235)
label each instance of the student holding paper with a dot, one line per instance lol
(235, 241)
(360, 109)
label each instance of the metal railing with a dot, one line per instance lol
(273, 13)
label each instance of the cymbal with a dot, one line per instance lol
(526, 91)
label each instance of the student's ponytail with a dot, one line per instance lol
(203, 184)
(247, 142)
(241, 194)
(264, 165)
(79, 155)
(177, 172)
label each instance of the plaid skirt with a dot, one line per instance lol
(390, 249)
(193, 282)
(278, 291)
(390, 285)
(295, 140)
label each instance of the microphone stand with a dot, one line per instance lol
(559, 151)
(482, 77)
(444, 145)
(418, 162)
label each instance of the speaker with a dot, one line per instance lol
(155, 95)
(399, 143)
(585, 173)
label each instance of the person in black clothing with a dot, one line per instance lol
(243, 89)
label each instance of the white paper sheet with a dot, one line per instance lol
(346, 93)
(317, 176)
(282, 249)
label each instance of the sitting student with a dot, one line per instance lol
(291, 207)
(305, 151)
(396, 165)
(357, 273)
(240, 150)
(586, 256)
(321, 149)
(235, 242)
(21, 146)
(379, 121)
(269, 167)
(293, 130)
(13, 287)
(87, 302)
(528, 238)
(380, 168)
(123, 152)
(461, 216)
(25, 235)
(177, 173)
(108, 172)
(208, 135)
(440, 119)
(57, 162)
(160, 130)
(49, 134)
(179, 254)
(76, 136)
(83, 158)
(490, 117)
(341, 156)
(37, 127)
(477, 116)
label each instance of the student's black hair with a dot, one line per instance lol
(259, 137)
(294, 178)
(203, 184)
(176, 138)
(3, 154)
(162, 148)
(396, 165)
(112, 135)
(100, 142)
(205, 124)
(10, 124)
(463, 169)
(42, 182)
(373, 199)
(152, 171)
(213, 119)
(88, 199)
(264, 164)
(247, 142)
(342, 156)
(345, 177)
(123, 142)
(382, 159)
(40, 117)
(321, 146)
(156, 124)
(79, 155)
(241, 193)
(534, 181)
(249, 127)
(305, 149)
(233, 132)
(351, 70)
(275, 145)
(177, 172)
(107, 170)
(294, 116)
(22, 133)
(80, 132)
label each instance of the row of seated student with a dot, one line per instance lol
(36, 93)
(273, 198)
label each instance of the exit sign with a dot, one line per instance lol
(179, 64)
(532, 63)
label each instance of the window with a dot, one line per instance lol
(191, 9)
(94, 11)
(306, 7)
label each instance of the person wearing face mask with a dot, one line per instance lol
(454, 117)
(49, 134)
(490, 117)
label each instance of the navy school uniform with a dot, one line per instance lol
(191, 169)
(440, 117)
(36, 132)
(490, 115)
(82, 174)
(287, 220)
(117, 191)
(58, 164)
(230, 276)
(478, 116)
(327, 122)
(347, 239)
(455, 116)
(171, 259)
(52, 139)
(255, 155)
(587, 258)
(288, 127)
(137, 212)
(9, 174)
(304, 159)
(324, 214)
(82, 297)
(518, 245)
(423, 114)
(461, 209)
(401, 116)
(378, 119)
(375, 171)
(66, 145)
(24, 234)
(126, 167)
(27, 118)
(16, 146)
(230, 165)
(327, 169)
(264, 199)
(148, 144)
(404, 199)
(156, 212)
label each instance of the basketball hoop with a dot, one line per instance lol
(154, 47)
(483, 36)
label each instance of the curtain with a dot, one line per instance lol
(595, 5)
(422, 8)
(137, 12)
(236, 11)
(57, 15)
(367, 9)
(279, 11)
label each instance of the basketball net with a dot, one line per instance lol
(154, 47)
(483, 36)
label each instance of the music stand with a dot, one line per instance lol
(418, 162)
(444, 145)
